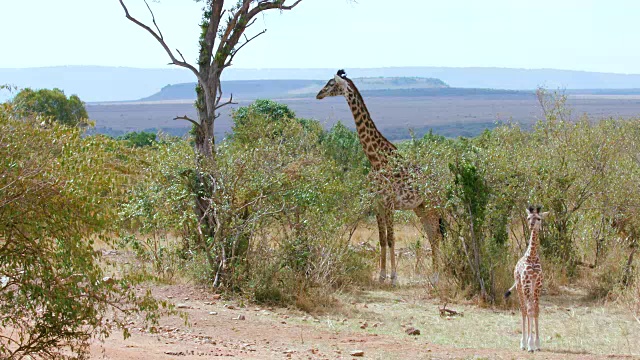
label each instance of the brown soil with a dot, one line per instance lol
(222, 328)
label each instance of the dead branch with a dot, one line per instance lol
(449, 312)
(153, 18)
(160, 39)
(185, 117)
(266, 5)
(241, 20)
(235, 51)
(228, 102)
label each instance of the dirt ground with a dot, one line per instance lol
(375, 324)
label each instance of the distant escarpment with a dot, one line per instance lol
(279, 89)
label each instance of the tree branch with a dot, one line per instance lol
(235, 51)
(181, 56)
(185, 117)
(230, 101)
(153, 18)
(243, 18)
(266, 5)
(212, 29)
(159, 38)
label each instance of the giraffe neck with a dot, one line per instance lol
(532, 250)
(375, 145)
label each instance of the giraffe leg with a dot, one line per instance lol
(536, 311)
(523, 312)
(530, 345)
(391, 241)
(523, 340)
(537, 342)
(431, 225)
(382, 236)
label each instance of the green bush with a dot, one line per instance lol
(52, 105)
(159, 207)
(139, 139)
(283, 210)
(343, 146)
(59, 194)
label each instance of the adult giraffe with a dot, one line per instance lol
(393, 182)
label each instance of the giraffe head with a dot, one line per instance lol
(534, 217)
(334, 87)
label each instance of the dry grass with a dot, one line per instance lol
(572, 322)
(568, 323)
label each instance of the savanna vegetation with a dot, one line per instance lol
(289, 195)
(60, 196)
(268, 213)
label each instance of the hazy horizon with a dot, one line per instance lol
(235, 68)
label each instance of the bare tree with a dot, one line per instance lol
(223, 36)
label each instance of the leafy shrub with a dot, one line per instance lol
(159, 207)
(343, 146)
(51, 105)
(283, 210)
(59, 194)
(139, 139)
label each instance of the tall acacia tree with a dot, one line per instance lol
(222, 37)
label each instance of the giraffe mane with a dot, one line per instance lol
(357, 92)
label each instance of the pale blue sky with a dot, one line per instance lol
(591, 35)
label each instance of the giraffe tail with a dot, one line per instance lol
(506, 295)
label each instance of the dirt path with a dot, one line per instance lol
(220, 328)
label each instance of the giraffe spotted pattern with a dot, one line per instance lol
(528, 282)
(390, 179)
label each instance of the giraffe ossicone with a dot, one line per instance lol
(528, 282)
(393, 182)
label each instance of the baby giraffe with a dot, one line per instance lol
(528, 282)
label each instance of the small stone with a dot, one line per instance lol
(230, 307)
(108, 280)
(216, 296)
(357, 353)
(412, 331)
(364, 325)
(213, 313)
(183, 306)
(240, 317)
(186, 299)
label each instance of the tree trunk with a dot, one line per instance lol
(212, 61)
(626, 278)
